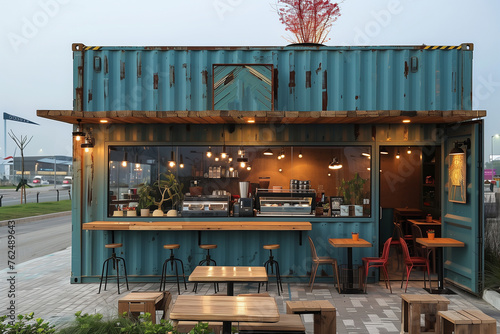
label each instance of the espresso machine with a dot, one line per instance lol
(244, 208)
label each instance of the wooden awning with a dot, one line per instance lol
(262, 117)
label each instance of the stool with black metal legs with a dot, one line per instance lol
(207, 262)
(173, 260)
(273, 263)
(116, 265)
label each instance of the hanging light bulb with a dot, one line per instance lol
(171, 163)
(243, 164)
(137, 166)
(223, 154)
(216, 158)
(125, 160)
(231, 168)
(249, 167)
(181, 162)
(397, 155)
(209, 152)
(300, 154)
(230, 159)
(408, 151)
(279, 157)
(241, 151)
(282, 153)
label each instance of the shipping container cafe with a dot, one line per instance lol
(270, 145)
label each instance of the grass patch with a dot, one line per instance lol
(33, 209)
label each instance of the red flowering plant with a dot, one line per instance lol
(308, 20)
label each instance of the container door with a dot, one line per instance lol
(462, 209)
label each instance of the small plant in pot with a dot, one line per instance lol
(166, 189)
(145, 199)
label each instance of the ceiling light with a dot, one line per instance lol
(280, 170)
(251, 120)
(365, 154)
(216, 158)
(209, 152)
(103, 121)
(397, 155)
(406, 121)
(268, 152)
(383, 150)
(223, 154)
(242, 162)
(408, 151)
(300, 154)
(279, 157)
(125, 160)
(241, 151)
(335, 164)
(181, 162)
(249, 167)
(231, 168)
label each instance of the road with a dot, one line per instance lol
(47, 194)
(35, 239)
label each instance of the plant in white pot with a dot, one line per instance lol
(167, 188)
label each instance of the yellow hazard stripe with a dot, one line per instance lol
(442, 47)
(94, 48)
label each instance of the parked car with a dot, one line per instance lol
(40, 181)
(68, 180)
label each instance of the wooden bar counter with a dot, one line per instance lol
(197, 226)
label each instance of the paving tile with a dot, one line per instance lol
(43, 287)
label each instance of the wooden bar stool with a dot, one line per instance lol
(116, 261)
(173, 260)
(273, 263)
(207, 262)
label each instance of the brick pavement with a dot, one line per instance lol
(43, 286)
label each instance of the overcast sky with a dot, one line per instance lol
(36, 37)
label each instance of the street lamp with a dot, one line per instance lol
(494, 136)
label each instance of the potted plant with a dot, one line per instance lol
(430, 234)
(352, 191)
(167, 188)
(145, 199)
(355, 236)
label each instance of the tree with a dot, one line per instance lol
(308, 20)
(21, 142)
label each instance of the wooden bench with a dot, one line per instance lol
(414, 306)
(144, 301)
(467, 321)
(289, 323)
(325, 316)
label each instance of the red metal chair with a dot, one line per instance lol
(413, 261)
(379, 262)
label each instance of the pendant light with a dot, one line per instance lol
(125, 160)
(300, 154)
(384, 151)
(223, 154)
(268, 152)
(209, 152)
(249, 167)
(335, 164)
(397, 155)
(181, 162)
(171, 162)
(408, 151)
(457, 150)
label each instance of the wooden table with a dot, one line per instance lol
(435, 224)
(226, 309)
(403, 214)
(229, 275)
(438, 244)
(349, 243)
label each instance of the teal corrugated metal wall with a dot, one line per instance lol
(306, 79)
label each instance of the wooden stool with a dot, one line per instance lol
(116, 261)
(289, 323)
(413, 306)
(138, 301)
(207, 262)
(466, 321)
(173, 261)
(325, 316)
(273, 263)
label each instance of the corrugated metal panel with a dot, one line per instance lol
(144, 253)
(305, 79)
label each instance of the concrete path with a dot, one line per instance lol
(43, 286)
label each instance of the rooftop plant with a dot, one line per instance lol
(309, 21)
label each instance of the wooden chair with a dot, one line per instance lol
(413, 261)
(379, 262)
(317, 261)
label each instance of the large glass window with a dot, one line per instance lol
(338, 176)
